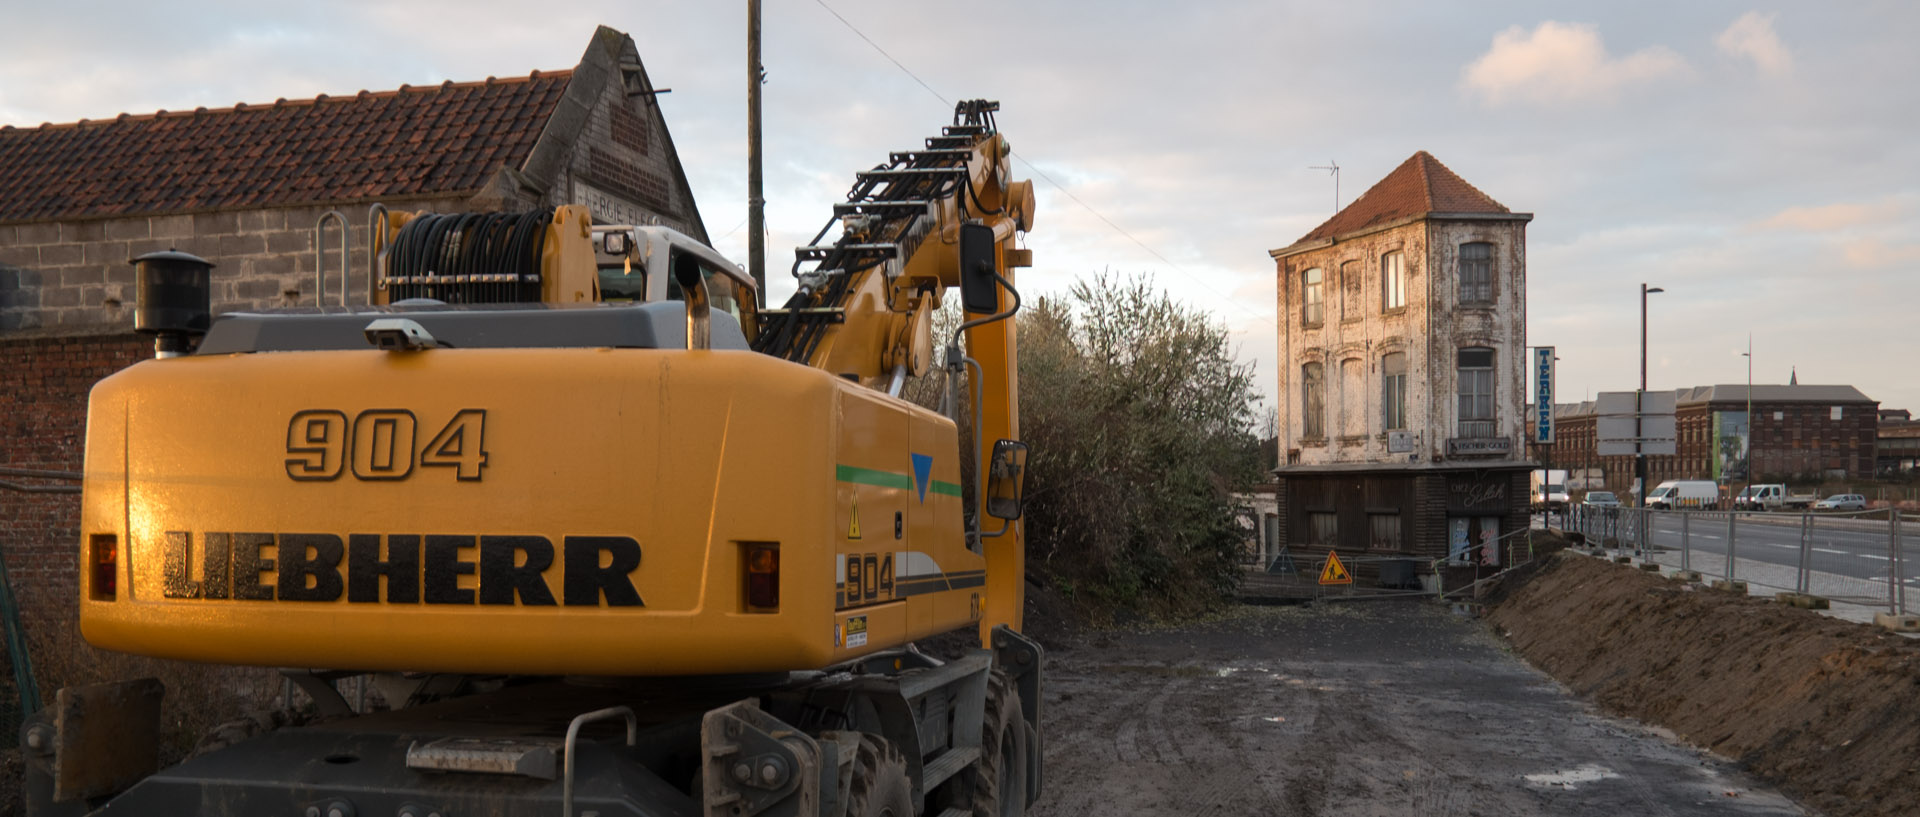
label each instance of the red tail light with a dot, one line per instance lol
(763, 577)
(103, 561)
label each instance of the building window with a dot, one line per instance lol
(1393, 392)
(1476, 392)
(1323, 528)
(1476, 273)
(1383, 531)
(1313, 401)
(1393, 280)
(1313, 300)
(1352, 289)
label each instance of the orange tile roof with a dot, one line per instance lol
(438, 139)
(1420, 185)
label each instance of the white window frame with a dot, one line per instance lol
(1476, 404)
(1476, 275)
(1393, 281)
(1313, 297)
(1393, 393)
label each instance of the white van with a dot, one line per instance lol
(1688, 494)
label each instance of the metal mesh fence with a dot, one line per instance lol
(1852, 557)
(1296, 576)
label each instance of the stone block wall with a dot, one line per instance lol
(73, 276)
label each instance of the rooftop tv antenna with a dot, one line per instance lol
(1333, 168)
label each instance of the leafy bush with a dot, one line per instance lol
(1142, 426)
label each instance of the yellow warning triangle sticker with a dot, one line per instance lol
(1335, 572)
(853, 527)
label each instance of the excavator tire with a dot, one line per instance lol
(999, 779)
(880, 787)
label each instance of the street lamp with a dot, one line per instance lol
(1639, 407)
(1747, 469)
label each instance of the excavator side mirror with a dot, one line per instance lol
(1006, 479)
(979, 292)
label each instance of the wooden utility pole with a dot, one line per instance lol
(756, 202)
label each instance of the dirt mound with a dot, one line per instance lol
(1828, 709)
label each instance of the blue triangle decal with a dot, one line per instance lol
(922, 469)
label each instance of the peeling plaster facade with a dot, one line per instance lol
(1344, 483)
(1358, 331)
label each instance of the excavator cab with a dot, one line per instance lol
(644, 264)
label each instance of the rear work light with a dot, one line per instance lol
(103, 561)
(763, 577)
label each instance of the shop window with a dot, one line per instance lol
(1323, 528)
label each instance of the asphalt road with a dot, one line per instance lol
(1842, 548)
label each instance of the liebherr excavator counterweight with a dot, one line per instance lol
(548, 449)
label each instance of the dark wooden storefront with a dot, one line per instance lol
(1425, 515)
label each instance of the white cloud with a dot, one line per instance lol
(1752, 36)
(1873, 253)
(1562, 63)
(1834, 217)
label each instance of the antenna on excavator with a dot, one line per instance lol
(1333, 168)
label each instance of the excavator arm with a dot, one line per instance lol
(926, 222)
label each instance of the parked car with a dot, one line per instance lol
(1842, 502)
(1600, 499)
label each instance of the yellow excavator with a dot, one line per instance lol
(603, 535)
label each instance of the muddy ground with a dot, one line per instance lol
(1829, 709)
(1356, 708)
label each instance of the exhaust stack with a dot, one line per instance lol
(172, 300)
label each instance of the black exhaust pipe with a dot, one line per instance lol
(173, 297)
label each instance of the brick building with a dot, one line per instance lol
(244, 187)
(1402, 345)
(1799, 433)
(1898, 451)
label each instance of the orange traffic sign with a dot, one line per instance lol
(1335, 572)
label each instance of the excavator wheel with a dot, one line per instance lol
(999, 779)
(880, 787)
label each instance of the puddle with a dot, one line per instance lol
(1571, 778)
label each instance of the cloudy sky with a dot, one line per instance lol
(1757, 160)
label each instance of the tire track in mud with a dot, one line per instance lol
(1170, 739)
(1346, 715)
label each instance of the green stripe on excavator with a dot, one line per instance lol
(870, 476)
(888, 479)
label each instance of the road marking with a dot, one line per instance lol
(1832, 551)
(1874, 556)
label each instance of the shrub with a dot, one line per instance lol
(1142, 426)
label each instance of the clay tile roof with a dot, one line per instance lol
(407, 142)
(1420, 185)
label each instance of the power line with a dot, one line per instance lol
(1130, 237)
(883, 52)
(1049, 179)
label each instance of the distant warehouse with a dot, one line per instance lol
(1797, 433)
